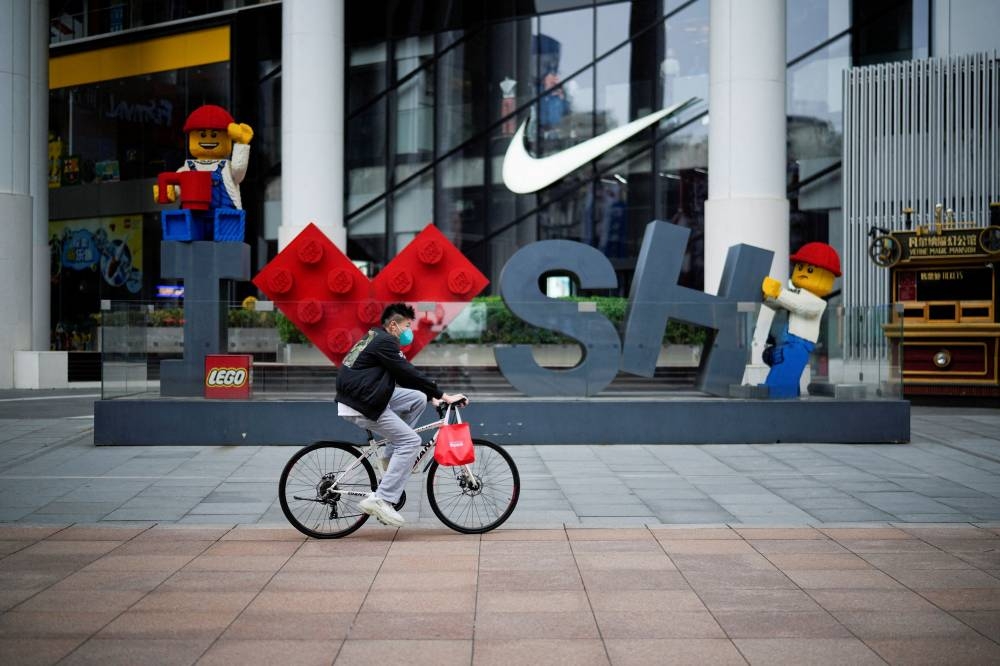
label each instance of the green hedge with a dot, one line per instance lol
(503, 327)
(243, 318)
(287, 331)
(500, 326)
(171, 317)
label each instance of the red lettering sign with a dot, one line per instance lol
(228, 375)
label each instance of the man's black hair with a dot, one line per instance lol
(397, 310)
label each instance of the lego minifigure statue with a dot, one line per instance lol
(208, 184)
(815, 266)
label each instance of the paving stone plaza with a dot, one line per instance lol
(761, 554)
(50, 472)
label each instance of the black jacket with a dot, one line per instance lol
(371, 370)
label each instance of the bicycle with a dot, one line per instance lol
(321, 485)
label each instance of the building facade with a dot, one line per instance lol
(433, 93)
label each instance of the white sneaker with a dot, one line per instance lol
(381, 510)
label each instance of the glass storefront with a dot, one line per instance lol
(824, 38)
(435, 113)
(435, 95)
(103, 135)
(76, 19)
(93, 260)
(129, 128)
(110, 137)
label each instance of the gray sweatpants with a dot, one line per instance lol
(396, 424)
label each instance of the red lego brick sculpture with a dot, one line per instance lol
(333, 303)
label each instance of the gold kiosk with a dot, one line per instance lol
(944, 283)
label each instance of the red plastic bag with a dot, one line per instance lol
(453, 445)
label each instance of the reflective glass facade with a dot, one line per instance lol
(128, 128)
(431, 115)
(110, 137)
(824, 38)
(76, 19)
(436, 91)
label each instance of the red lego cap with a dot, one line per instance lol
(208, 116)
(818, 254)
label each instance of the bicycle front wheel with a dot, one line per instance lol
(321, 486)
(480, 503)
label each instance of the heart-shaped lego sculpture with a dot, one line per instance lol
(334, 304)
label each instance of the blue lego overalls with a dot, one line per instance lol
(222, 220)
(220, 196)
(789, 359)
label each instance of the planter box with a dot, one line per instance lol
(550, 356)
(166, 340)
(301, 353)
(170, 340)
(253, 340)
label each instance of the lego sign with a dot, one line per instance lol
(228, 375)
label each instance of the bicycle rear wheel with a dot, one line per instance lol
(480, 504)
(313, 489)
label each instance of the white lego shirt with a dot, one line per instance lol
(805, 310)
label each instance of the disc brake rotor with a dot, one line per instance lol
(326, 491)
(469, 484)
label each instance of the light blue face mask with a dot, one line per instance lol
(406, 337)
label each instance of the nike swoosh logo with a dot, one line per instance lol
(523, 174)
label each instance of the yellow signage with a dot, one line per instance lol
(944, 244)
(160, 54)
(933, 276)
(960, 244)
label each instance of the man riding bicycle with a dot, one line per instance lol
(378, 389)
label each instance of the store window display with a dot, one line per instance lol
(125, 129)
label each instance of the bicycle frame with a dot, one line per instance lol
(370, 451)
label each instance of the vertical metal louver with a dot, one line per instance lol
(916, 134)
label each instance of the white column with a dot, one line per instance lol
(312, 119)
(15, 192)
(963, 27)
(941, 28)
(746, 140)
(38, 150)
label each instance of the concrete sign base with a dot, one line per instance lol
(512, 421)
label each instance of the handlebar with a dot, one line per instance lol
(443, 406)
(873, 230)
